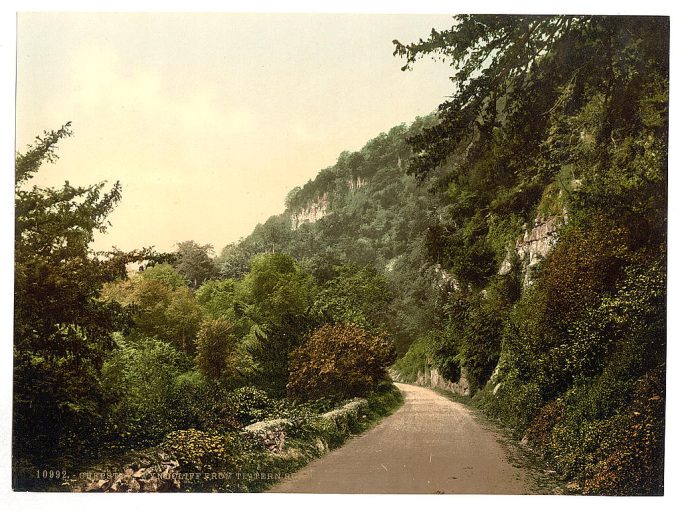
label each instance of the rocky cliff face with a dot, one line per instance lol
(356, 184)
(319, 208)
(313, 212)
(535, 244)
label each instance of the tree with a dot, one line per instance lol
(276, 297)
(139, 383)
(217, 350)
(562, 118)
(232, 263)
(276, 286)
(356, 295)
(291, 198)
(216, 297)
(194, 263)
(183, 319)
(339, 361)
(157, 309)
(62, 330)
(165, 274)
(536, 95)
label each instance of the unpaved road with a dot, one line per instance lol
(429, 445)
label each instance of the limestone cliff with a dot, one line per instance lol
(535, 244)
(311, 213)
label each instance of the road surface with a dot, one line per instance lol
(429, 445)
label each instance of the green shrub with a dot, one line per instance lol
(515, 403)
(217, 350)
(630, 460)
(415, 360)
(250, 405)
(138, 381)
(197, 450)
(200, 403)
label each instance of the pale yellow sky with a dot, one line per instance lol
(209, 119)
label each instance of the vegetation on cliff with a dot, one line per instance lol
(563, 116)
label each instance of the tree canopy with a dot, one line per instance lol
(62, 330)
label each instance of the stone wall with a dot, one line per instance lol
(433, 379)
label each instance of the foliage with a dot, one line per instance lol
(194, 263)
(165, 274)
(62, 332)
(252, 405)
(217, 350)
(356, 295)
(275, 287)
(630, 459)
(271, 347)
(233, 261)
(416, 360)
(275, 298)
(545, 108)
(160, 306)
(339, 360)
(138, 380)
(474, 329)
(375, 224)
(217, 297)
(198, 402)
(562, 117)
(200, 451)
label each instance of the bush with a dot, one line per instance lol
(138, 381)
(197, 450)
(515, 403)
(630, 460)
(339, 361)
(416, 360)
(251, 405)
(207, 452)
(200, 403)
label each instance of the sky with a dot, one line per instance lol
(209, 119)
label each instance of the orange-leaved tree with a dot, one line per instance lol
(339, 361)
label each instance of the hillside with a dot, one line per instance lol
(366, 211)
(528, 255)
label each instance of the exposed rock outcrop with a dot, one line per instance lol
(356, 184)
(313, 212)
(534, 245)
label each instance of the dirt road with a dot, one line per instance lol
(429, 445)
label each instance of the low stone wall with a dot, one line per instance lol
(432, 378)
(271, 433)
(341, 417)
